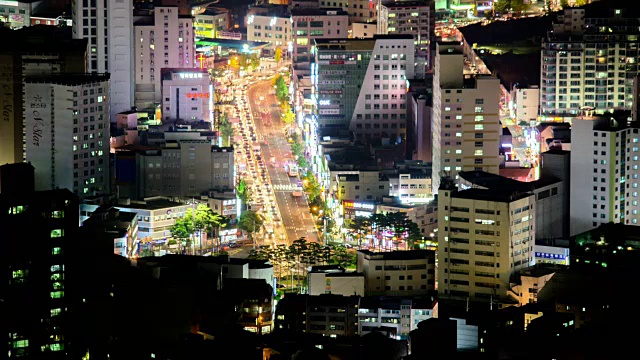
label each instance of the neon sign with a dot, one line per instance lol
(324, 102)
(201, 58)
(198, 95)
(191, 75)
(354, 205)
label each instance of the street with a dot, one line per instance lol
(295, 215)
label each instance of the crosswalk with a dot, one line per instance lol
(286, 187)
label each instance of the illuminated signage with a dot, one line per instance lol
(191, 75)
(198, 95)
(324, 102)
(9, 3)
(348, 204)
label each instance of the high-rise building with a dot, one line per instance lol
(309, 24)
(484, 237)
(604, 173)
(166, 41)
(418, 19)
(108, 27)
(33, 293)
(22, 56)
(589, 60)
(362, 84)
(66, 119)
(466, 120)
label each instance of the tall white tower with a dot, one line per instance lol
(108, 27)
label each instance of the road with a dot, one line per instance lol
(295, 215)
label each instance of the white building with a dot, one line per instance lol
(163, 40)
(360, 11)
(397, 273)
(333, 279)
(369, 100)
(416, 18)
(363, 30)
(310, 24)
(401, 315)
(187, 94)
(525, 102)
(108, 26)
(66, 121)
(604, 173)
(466, 122)
(271, 24)
(484, 236)
(411, 186)
(583, 66)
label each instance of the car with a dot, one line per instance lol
(233, 245)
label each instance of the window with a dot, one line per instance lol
(56, 251)
(56, 233)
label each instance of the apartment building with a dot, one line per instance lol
(360, 11)
(187, 94)
(397, 316)
(166, 41)
(16, 14)
(525, 103)
(210, 23)
(484, 237)
(604, 173)
(466, 121)
(326, 314)
(309, 24)
(271, 24)
(416, 18)
(425, 215)
(185, 168)
(360, 185)
(397, 273)
(108, 27)
(362, 85)
(588, 60)
(411, 186)
(66, 120)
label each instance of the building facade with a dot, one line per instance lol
(210, 23)
(360, 185)
(360, 11)
(271, 24)
(466, 121)
(397, 273)
(417, 19)
(309, 24)
(362, 85)
(484, 237)
(17, 14)
(166, 41)
(411, 187)
(525, 103)
(67, 132)
(332, 279)
(187, 94)
(108, 27)
(400, 315)
(604, 173)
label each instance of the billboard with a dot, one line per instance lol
(7, 120)
(38, 127)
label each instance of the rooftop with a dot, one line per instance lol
(151, 204)
(318, 12)
(489, 195)
(40, 39)
(403, 4)
(395, 303)
(69, 79)
(397, 255)
(497, 182)
(539, 270)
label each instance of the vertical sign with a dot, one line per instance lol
(8, 136)
(38, 126)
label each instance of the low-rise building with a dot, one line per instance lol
(398, 273)
(187, 94)
(424, 215)
(411, 186)
(326, 314)
(360, 185)
(333, 279)
(122, 226)
(363, 30)
(211, 22)
(531, 280)
(395, 316)
(525, 103)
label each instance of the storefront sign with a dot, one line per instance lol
(324, 102)
(198, 95)
(304, 18)
(229, 35)
(191, 75)
(329, 111)
(348, 204)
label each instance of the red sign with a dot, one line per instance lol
(198, 95)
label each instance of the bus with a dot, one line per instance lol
(293, 170)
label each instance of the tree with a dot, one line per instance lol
(206, 220)
(297, 149)
(581, 2)
(181, 231)
(341, 256)
(311, 186)
(226, 129)
(242, 190)
(288, 117)
(502, 6)
(302, 162)
(278, 55)
(250, 222)
(359, 226)
(146, 253)
(519, 5)
(282, 91)
(564, 4)
(254, 61)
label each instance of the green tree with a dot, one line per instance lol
(519, 5)
(254, 61)
(278, 55)
(288, 117)
(297, 149)
(358, 226)
(146, 253)
(242, 190)
(181, 231)
(302, 162)
(341, 256)
(250, 222)
(205, 220)
(311, 186)
(282, 91)
(581, 2)
(502, 6)
(226, 129)
(564, 4)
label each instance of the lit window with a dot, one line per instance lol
(447, 109)
(479, 127)
(479, 118)
(56, 251)
(56, 233)
(20, 344)
(57, 214)
(458, 151)
(458, 134)
(56, 312)
(458, 117)
(479, 109)
(57, 294)
(478, 153)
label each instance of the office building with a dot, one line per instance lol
(66, 121)
(425, 215)
(466, 121)
(187, 95)
(360, 11)
(396, 316)
(166, 41)
(108, 28)
(360, 185)
(210, 23)
(21, 57)
(271, 24)
(36, 293)
(397, 273)
(416, 18)
(333, 279)
(363, 30)
(326, 314)
(362, 85)
(604, 172)
(309, 24)
(585, 66)
(411, 186)
(484, 237)
(16, 14)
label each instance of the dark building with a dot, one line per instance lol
(326, 314)
(434, 336)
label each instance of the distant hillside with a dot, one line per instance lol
(514, 69)
(504, 32)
